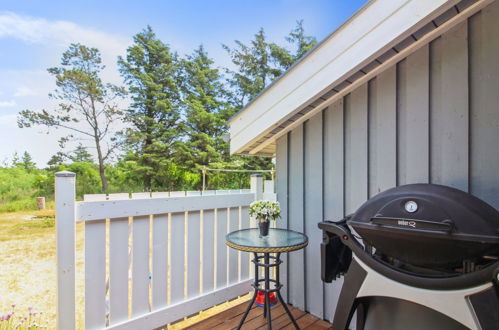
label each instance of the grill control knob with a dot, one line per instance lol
(411, 206)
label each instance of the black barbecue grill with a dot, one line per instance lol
(421, 235)
(429, 226)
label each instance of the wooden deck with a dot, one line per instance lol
(229, 319)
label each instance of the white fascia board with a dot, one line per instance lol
(362, 39)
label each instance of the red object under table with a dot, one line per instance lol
(260, 299)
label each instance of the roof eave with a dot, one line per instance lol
(255, 131)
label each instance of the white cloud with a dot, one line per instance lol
(8, 119)
(24, 91)
(40, 30)
(7, 104)
(59, 34)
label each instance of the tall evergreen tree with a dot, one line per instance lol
(257, 65)
(151, 72)
(255, 68)
(300, 44)
(204, 105)
(261, 62)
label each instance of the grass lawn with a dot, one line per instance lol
(28, 269)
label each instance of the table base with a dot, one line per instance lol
(267, 290)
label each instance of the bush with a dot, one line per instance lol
(19, 205)
(17, 188)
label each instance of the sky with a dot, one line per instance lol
(34, 34)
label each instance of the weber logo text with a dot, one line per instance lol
(406, 223)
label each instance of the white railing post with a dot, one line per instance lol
(65, 247)
(256, 185)
(268, 191)
(268, 186)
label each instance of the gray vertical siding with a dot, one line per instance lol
(382, 132)
(296, 262)
(449, 109)
(282, 175)
(313, 211)
(333, 206)
(484, 104)
(355, 149)
(432, 117)
(413, 118)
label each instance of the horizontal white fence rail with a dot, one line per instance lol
(140, 206)
(151, 258)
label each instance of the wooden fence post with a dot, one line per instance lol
(65, 247)
(40, 203)
(256, 186)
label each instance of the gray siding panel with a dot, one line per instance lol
(449, 109)
(333, 188)
(333, 161)
(355, 149)
(282, 197)
(432, 117)
(296, 273)
(413, 121)
(383, 132)
(313, 213)
(484, 100)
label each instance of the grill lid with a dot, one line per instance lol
(429, 225)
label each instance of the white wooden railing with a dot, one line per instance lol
(168, 248)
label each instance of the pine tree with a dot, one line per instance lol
(57, 159)
(87, 106)
(204, 106)
(27, 161)
(259, 64)
(151, 72)
(81, 154)
(255, 68)
(16, 161)
(300, 43)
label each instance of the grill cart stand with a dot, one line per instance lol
(278, 241)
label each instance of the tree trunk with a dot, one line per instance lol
(102, 167)
(103, 177)
(147, 143)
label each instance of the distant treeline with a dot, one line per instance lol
(21, 182)
(175, 118)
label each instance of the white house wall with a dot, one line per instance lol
(433, 118)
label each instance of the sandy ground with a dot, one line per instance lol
(28, 265)
(28, 269)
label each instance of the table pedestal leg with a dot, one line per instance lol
(255, 285)
(267, 290)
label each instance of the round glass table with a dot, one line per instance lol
(277, 241)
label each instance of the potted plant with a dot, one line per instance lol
(264, 211)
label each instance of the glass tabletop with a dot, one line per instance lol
(278, 240)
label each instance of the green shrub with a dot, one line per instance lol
(19, 205)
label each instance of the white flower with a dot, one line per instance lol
(264, 209)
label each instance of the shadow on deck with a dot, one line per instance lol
(229, 319)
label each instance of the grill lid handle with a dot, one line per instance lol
(414, 224)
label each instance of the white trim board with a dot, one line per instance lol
(378, 27)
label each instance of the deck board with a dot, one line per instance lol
(229, 319)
